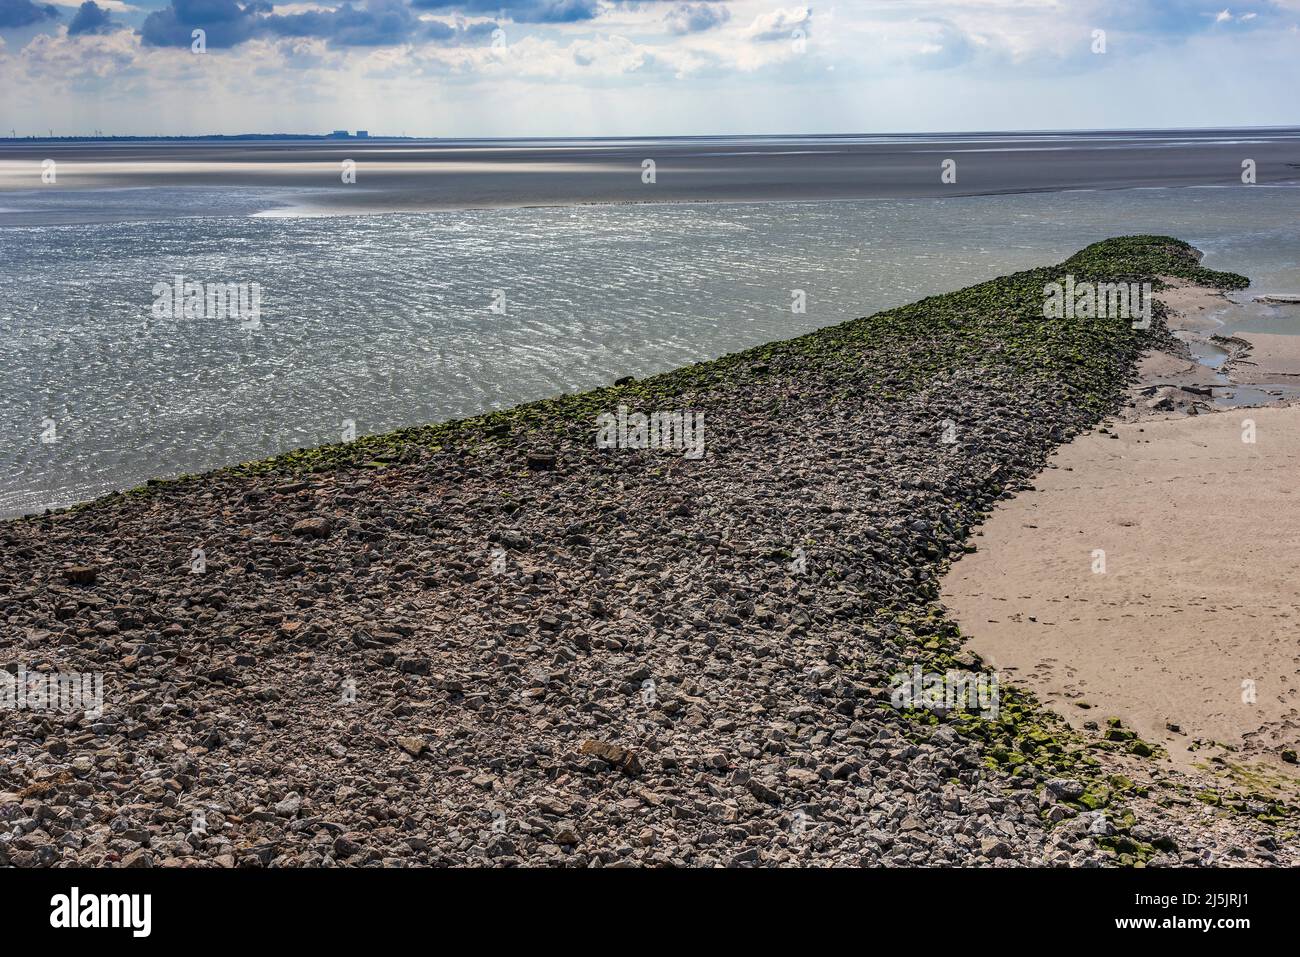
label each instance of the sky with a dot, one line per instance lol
(488, 68)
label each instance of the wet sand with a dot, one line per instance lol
(1150, 574)
(417, 175)
(1268, 358)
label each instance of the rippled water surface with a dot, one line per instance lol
(385, 319)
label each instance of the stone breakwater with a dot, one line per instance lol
(491, 642)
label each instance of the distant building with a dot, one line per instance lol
(339, 134)
(363, 134)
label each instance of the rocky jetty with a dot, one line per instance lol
(491, 642)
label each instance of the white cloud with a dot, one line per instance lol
(780, 24)
(639, 67)
(686, 18)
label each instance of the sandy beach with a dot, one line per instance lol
(1149, 574)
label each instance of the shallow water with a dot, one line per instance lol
(1229, 394)
(385, 320)
(1204, 352)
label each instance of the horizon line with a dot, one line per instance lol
(648, 136)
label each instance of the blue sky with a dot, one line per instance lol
(628, 67)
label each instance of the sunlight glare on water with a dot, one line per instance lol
(385, 319)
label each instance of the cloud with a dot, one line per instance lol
(520, 11)
(1225, 16)
(1169, 19)
(91, 18)
(612, 56)
(621, 66)
(68, 66)
(780, 24)
(23, 13)
(696, 17)
(228, 23)
(224, 22)
(380, 23)
(947, 46)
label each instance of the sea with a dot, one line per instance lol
(371, 322)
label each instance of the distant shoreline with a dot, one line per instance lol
(918, 135)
